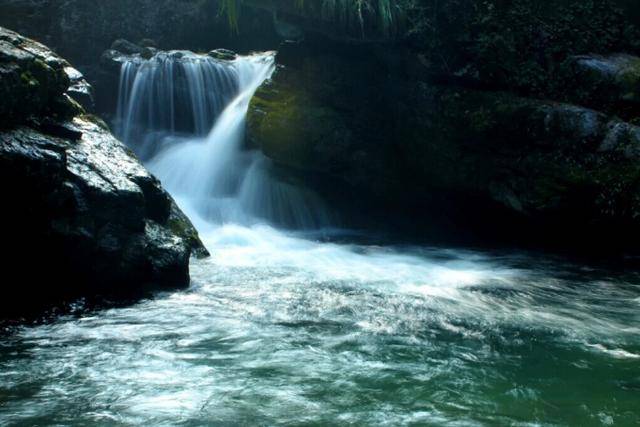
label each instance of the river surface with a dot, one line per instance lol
(282, 329)
(326, 327)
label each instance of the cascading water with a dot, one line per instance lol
(281, 330)
(165, 105)
(174, 93)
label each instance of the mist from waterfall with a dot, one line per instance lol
(167, 104)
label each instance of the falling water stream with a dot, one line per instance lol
(281, 327)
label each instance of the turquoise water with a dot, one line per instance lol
(284, 329)
(280, 329)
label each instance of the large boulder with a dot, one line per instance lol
(33, 80)
(82, 216)
(608, 81)
(567, 165)
(553, 169)
(329, 108)
(620, 71)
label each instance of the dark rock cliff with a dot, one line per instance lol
(81, 215)
(529, 168)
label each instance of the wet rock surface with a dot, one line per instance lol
(223, 54)
(76, 198)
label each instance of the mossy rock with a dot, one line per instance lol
(607, 82)
(33, 82)
(181, 226)
(294, 130)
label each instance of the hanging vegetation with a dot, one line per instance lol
(382, 14)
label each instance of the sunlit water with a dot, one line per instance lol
(301, 328)
(279, 329)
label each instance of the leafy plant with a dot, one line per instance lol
(520, 45)
(231, 9)
(345, 13)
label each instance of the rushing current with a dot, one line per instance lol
(294, 322)
(165, 105)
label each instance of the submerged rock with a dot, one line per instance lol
(82, 215)
(223, 54)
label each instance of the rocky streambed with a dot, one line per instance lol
(295, 317)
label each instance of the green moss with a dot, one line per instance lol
(28, 79)
(181, 228)
(65, 108)
(92, 118)
(180, 225)
(520, 45)
(482, 120)
(40, 64)
(276, 123)
(630, 80)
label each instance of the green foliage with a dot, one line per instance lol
(348, 14)
(27, 79)
(383, 12)
(519, 45)
(526, 43)
(231, 9)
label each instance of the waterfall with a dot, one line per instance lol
(167, 104)
(173, 93)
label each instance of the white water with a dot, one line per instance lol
(280, 329)
(173, 94)
(212, 177)
(237, 206)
